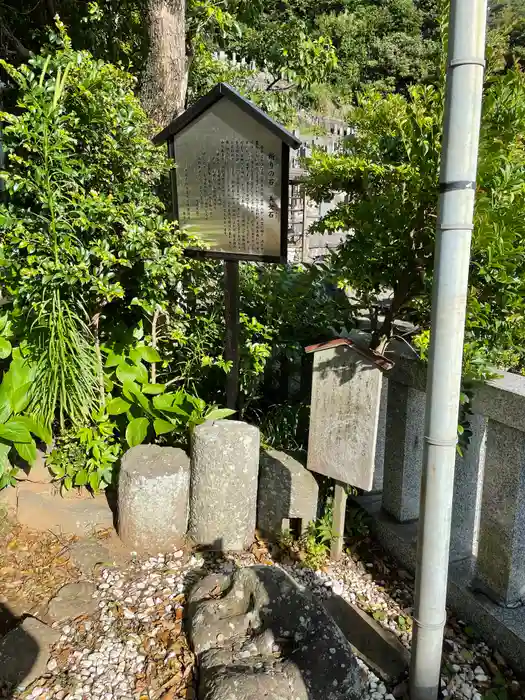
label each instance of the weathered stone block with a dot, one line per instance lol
(405, 431)
(379, 464)
(501, 551)
(153, 497)
(224, 469)
(265, 637)
(287, 490)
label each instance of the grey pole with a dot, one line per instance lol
(465, 69)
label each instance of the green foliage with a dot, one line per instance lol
(379, 44)
(390, 174)
(142, 407)
(282, 426)
(18, 428)
(83, 233)
(312, 548)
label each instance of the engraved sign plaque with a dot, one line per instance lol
(230, 181)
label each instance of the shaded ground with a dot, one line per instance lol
(133, 647)
(33, 566)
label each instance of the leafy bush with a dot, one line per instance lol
(17, 428)
(390, 174)
(84, 239)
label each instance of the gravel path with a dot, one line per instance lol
(134, 647)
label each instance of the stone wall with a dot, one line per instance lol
(487, 548)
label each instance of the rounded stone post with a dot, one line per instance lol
(224, 471)
(153, 497)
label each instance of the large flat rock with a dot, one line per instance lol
(72, 600)
(74, 516)
(257, 634)
(24, 652)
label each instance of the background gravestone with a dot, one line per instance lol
(153, 495)
(224, 469)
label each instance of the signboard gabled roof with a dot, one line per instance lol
(220, 91)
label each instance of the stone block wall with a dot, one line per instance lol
(488, 521)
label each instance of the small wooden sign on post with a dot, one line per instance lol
(230, 181)
(346, 395)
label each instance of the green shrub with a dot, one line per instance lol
(84, 240)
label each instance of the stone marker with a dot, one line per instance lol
(72, 600)
(287, 491)
(153, 495)
(24, 652)
(224, 468)
(257, 634)
(344, 416)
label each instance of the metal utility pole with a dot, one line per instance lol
(465, 70)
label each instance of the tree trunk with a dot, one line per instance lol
(165, 78)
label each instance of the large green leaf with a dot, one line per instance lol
(19, 373)
(114, 360)
(163, 426)
(148, 354)
(219, 413)
(153, 388)
(37, 428)
(165, 402)
(132, 373)
(81, 478)
(20, 397)
(15, 431)
(5, 405)
(136, 431)
(26, 450)
(117, 406)
(5, 348)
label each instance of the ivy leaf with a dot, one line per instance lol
(153, 388)
(5, 348)
(37, 428)
(164, 402)
(114, 360)
(81, 478)
(136, 431)
(20, 398)
(131, 373)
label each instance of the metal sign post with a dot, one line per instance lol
(230, 183)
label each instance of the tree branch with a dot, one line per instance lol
(20, 49)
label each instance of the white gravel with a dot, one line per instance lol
(107, 656)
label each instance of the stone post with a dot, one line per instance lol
(468, 485)
(403, 450)
(377, 484)
(500, 566)
(224, 470)
(153, 495)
